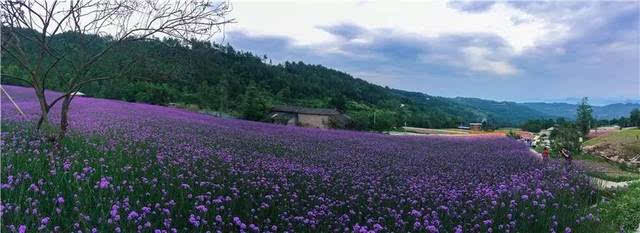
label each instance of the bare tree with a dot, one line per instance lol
(38, 22)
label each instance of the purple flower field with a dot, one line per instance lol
(141, 168)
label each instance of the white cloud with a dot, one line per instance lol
(477, 58)
(300, 20)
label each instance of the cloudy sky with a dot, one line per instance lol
(520, 51)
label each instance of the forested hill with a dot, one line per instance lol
(219, 78)
(503, 111)
(568, 111)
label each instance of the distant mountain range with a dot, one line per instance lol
(506, 111)
(501, 111)
(596, 101)
(568, 111)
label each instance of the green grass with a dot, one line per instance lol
(614, 177)
(622, 166)
(590, 157)
(624, 208)
(616, 172)
(621, 137)
(84, 203)
(507, 129)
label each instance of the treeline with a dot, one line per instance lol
(215, 77)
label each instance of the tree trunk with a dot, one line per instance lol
(64, 119)
(44, 108)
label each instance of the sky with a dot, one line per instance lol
(517, 51)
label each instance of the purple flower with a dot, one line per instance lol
(44, 221)
(22, 229)
(201, 208)
(193, 220)
(132, 215)
(237, 221)
(416, 213)
(34, 187)
(66, 166)
(104, 183)
(306, 174)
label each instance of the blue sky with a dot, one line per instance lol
(519, 51)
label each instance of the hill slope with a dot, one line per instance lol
(219, 78)
(502, 111)
(568, 111)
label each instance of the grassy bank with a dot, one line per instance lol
(622, 137)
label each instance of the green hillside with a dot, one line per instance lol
(216, 77)
(502, 111)
(628, 136)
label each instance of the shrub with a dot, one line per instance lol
(566, 136)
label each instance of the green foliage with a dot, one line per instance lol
(613, 177)
(489, 125)
(256, 104)
(634, 117)
(154, 93)
(584, 117)
(539, 124)
(566, 136)
(624, 209)
(338, 102)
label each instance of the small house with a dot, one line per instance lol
(322, 118)
(475, 126)
(463, 127)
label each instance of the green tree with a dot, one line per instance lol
(634, 117)
(223, 95)
(584, 118)
(338, 102)
(566, 136)
(255, 104)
